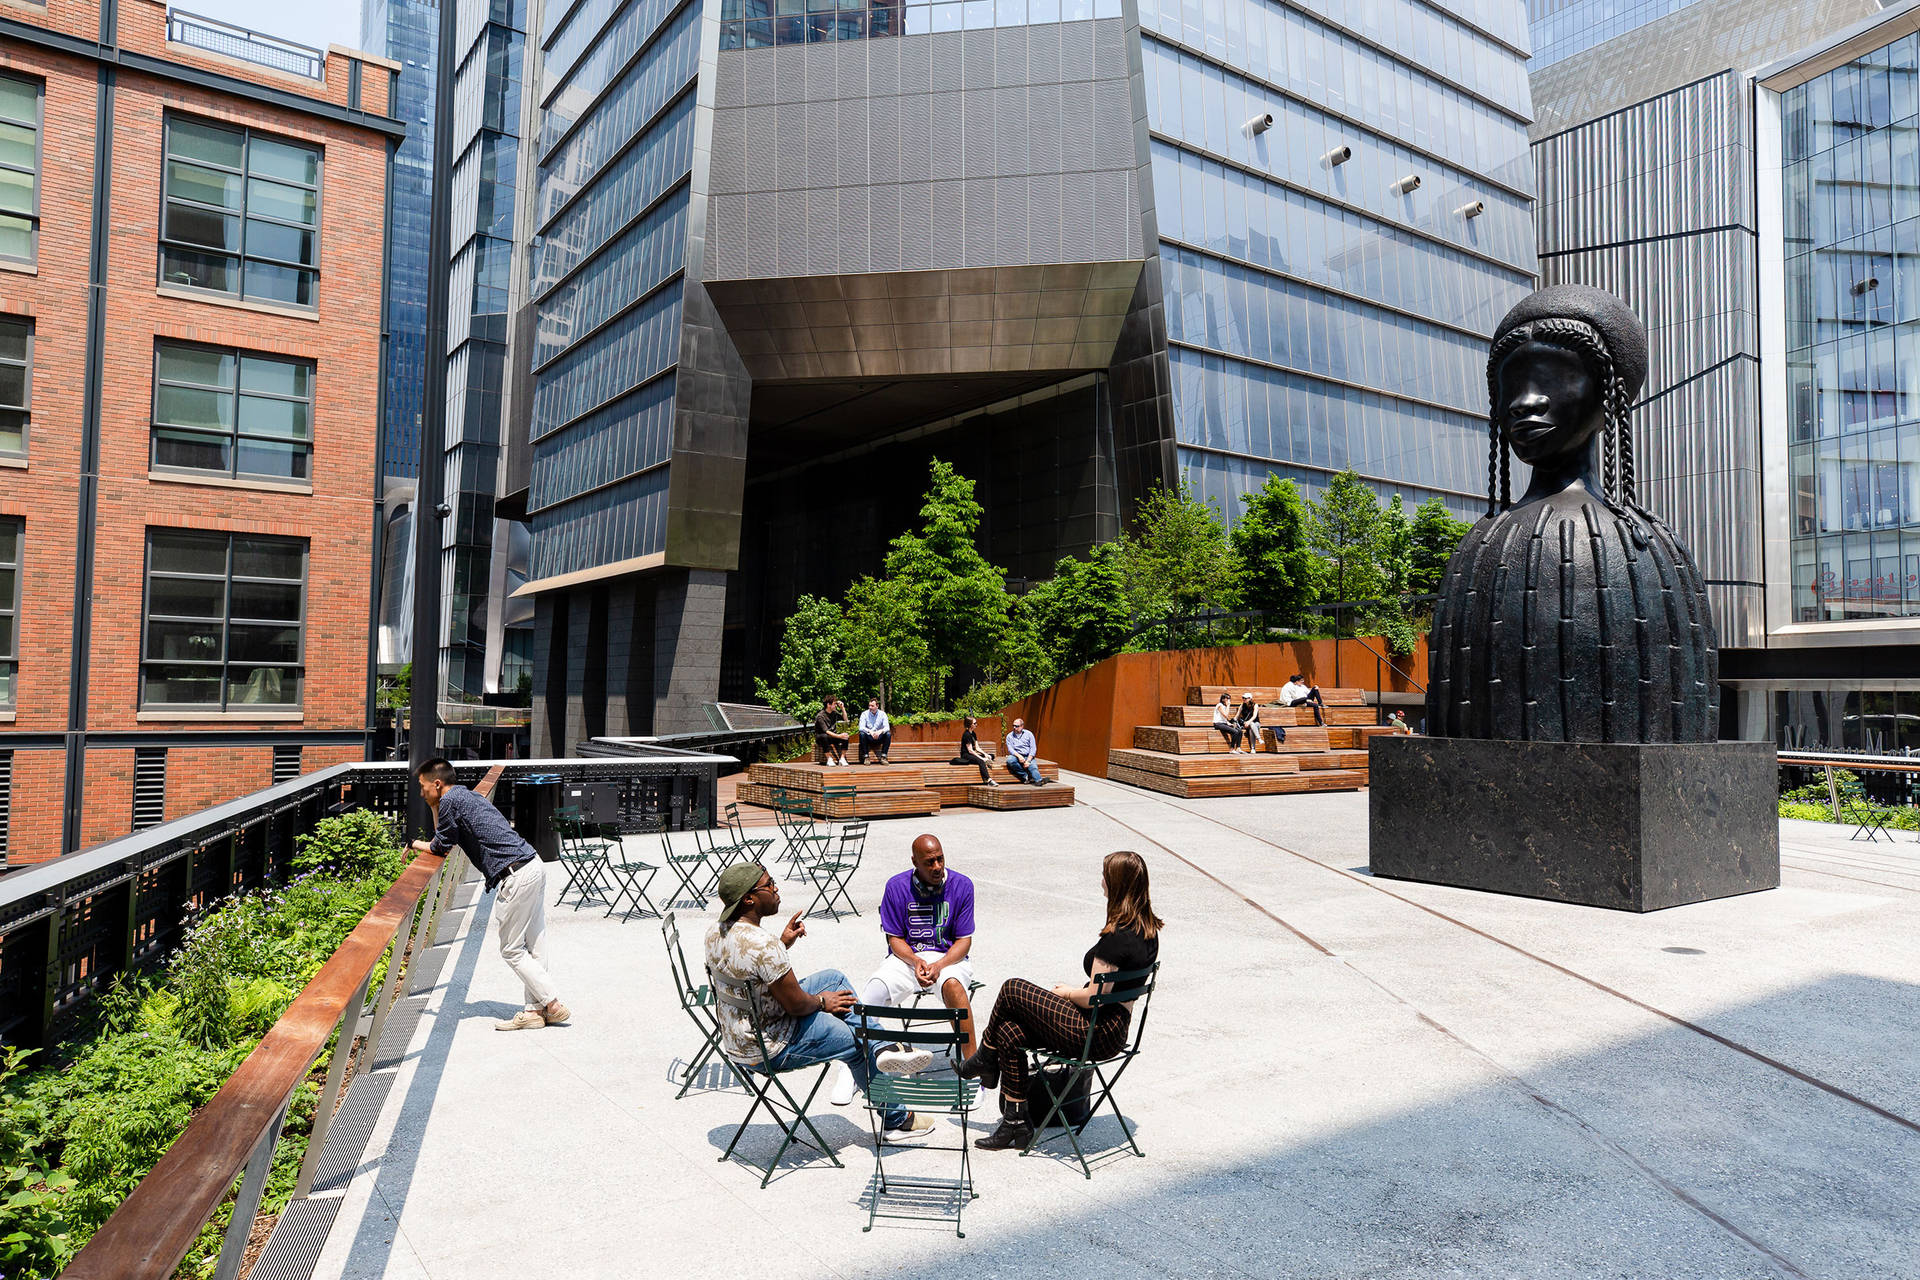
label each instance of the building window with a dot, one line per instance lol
(16, 384)
(224, 621)
(6, 804)
(19, 168)
(242, 213)
(9, 611)
(286, 763)
(232, 412)
(149, 787)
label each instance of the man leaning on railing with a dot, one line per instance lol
(510, 865)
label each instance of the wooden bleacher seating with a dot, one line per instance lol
(1185, 756)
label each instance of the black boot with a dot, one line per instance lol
(1016, 1128)
(981, 1065)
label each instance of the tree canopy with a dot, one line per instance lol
(1280, 574)
(1178, 559)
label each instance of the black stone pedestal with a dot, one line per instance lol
(1632, 827)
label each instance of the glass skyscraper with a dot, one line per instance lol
(782, 255)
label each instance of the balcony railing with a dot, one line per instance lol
(256, 47)
(70, 925)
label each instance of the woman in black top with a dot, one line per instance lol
(1024, 1016)
(970, 753)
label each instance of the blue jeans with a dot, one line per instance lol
(1025, 771)
(821, 1037)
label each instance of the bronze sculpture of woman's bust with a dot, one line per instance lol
(1572, 615)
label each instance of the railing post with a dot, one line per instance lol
(42, 987)
(383, 1003)
(128, 919)
(233, 1249)
(1833, 793)
(336, 1071)
(455, 875)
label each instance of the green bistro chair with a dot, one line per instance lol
(584, 853)
(632, 876)
(1112, 991)
(698, 1002)
(833, 872)
(719, 855)
(938, 1030)
(800, 825)
(689, 867)
(767, 1087)
(752, 848)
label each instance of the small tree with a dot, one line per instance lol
(961, 599)
(1344, 526)
(1279, 572)
(1434, 535)
(1080, 614)
(1178, 559)
(812, 659)
(1394, 553)
(886, 654)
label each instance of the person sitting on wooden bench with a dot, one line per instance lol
(876, 732)
(833, 745)
(1021, 749)
(1249, 723)
(972, 753)
(1223, 720)
(1298, 693)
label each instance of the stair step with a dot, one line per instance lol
(864, 804)
(1334, 760)
(1270, 784)
(1355, 737)
(1187, 741)
(1205, 695)
(1192, 717)
(1201, 766)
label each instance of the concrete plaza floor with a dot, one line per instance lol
(1342, 1077)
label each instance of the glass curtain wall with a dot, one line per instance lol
(1331, 279)
(1851, 145)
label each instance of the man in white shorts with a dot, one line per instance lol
(927, 914)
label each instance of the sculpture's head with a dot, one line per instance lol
(1564, 366)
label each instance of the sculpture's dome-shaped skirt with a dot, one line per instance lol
(1572, 620)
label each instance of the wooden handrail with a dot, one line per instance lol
(153, 1228)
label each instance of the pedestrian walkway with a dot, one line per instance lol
(1342, 1076)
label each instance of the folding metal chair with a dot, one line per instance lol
(833, 872)
(938, 1030)
(583, 853)
(752, 848)
(764, 1082)
(1869, 819)
(799, 826)
(698, 1002)
(689, 868)
(633, 876)
(1112, 991)
(719, 855)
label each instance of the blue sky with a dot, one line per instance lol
(315, 22)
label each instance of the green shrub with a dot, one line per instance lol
(1805, 812)
(357, 843)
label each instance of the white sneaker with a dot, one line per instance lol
(918, 1126)
(843, 1089)
(903, 1062)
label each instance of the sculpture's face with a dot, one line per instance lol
(1550, 401)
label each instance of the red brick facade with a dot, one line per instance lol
(211, 759)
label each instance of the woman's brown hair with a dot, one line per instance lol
(1128, 903)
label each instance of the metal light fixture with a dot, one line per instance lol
(1259, 125)
(1339, 155)
(1473, 209)
(1406, 185)
(1861, 286)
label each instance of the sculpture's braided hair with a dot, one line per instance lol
(1617, 477)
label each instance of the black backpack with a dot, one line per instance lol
(1049, 1084)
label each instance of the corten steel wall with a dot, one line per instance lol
(1077, 720)
(212, 757)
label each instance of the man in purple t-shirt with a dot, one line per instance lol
(927, 914)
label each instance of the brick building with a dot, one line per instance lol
(192, 235)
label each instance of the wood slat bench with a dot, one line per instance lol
(1199, 766)
(901, 752)
(1017, 795)
(865, 804)
(1266, 784)
(815, 777)
(1205, 695)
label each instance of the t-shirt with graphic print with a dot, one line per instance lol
(930, 920)
(737, 954)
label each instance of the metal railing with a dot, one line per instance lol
(69, 926)
(256, 47)
(1902, 767)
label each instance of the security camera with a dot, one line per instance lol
(1339, 155)
(1862, 286)
(1473, 209)
(1259, 124)
(444, 510)
(1407, 185)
